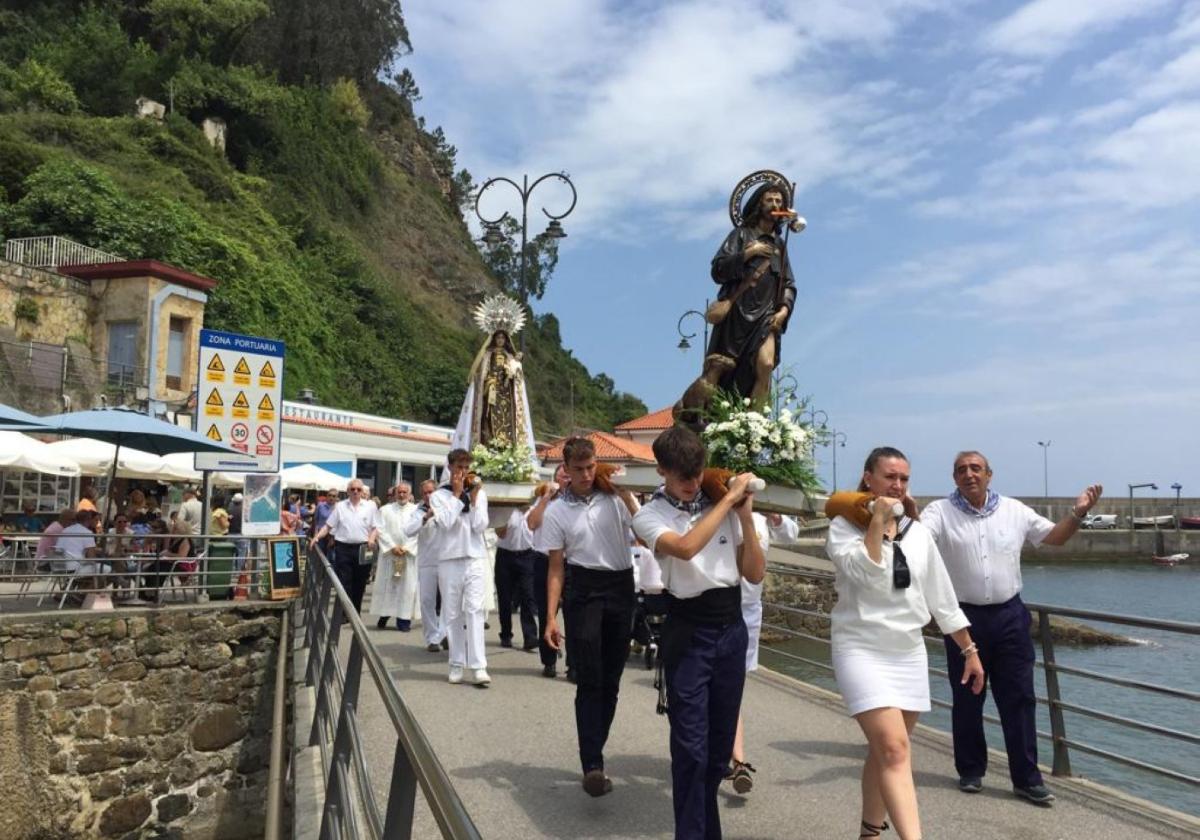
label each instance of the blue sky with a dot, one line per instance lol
(1003, 203)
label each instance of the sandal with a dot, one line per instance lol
(869, 830)
(739, 775)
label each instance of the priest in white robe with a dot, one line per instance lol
(395, 592)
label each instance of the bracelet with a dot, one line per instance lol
(1078, 518)
(969, 649)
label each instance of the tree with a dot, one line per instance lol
(406, 86)
(504, 261)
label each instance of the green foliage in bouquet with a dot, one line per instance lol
(776, 448)
(507, 464)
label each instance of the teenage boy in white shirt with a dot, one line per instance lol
(704, 559)
(589, 529)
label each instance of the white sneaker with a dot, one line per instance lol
(456, 674)
(481, 678)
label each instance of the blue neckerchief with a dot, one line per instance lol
(570, 497)
(695, 506)
(989, 506)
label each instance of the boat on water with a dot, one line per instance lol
(1191, 523)
(1165, 521)
(1170, 559)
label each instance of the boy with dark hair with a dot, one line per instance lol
(703, 556)
(460, 516)
(589, 529)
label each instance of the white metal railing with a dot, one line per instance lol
(53, 251)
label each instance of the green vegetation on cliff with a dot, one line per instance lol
(332, 220)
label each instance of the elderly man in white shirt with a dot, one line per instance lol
(354, 523)
(459, 517)
(979, 534)
(395, 590)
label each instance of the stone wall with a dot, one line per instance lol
(64, 303)
(146, 723)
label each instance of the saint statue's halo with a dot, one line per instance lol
(762, 176)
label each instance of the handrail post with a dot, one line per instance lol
(339, 762)
(402, 797)
(1058, 729)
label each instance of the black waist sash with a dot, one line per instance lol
(712, 606)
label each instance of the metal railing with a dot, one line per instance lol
(51, 367)
(135, 570)
(1058, 738)
(350, 809)
(53, 251)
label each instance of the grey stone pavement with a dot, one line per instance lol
(510, 751)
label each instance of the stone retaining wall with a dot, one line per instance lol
(147, 723)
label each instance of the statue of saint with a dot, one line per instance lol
(495, 412)
(755, 301)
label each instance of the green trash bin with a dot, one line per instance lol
(222, 569)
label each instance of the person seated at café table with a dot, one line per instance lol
(120, 543)
(28, 522)
(80, 554)
(49, 540)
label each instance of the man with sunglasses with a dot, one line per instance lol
(354, 523)
(980, 534)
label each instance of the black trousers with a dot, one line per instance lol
(704, 692)
(599, 618)
(1006, 653)
(352, 575)
(541, 570)
(514, 582)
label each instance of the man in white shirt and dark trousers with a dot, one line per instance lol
(589, 529)
(459, 516)
(704, 558)
(395, 591)
(514, 579)
(979, 534)
(354, 523)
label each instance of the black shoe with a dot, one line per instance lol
(1037, 794)
(970, 784)
(434, 648)
(506, 643)
(404, 625)
(445, 644)
(381, 623)
(487, 626)
(528, 646)
(571, 675)
(549, 671)
(596, 783)
(739, 775)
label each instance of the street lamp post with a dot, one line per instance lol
(1132, 533)
(836, 438)
(1045, 444)
(493, 236)
(777, 382)
(1178, 488)
(684, 342)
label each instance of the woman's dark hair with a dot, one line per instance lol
(878, 454)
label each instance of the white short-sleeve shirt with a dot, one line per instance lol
(517, 536)
(593, 534)
(715, 566)
(983, 553)
(353, 523)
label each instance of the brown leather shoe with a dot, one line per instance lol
(596, 783)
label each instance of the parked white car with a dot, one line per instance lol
(1100, 521)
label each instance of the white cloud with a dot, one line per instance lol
(1046, 28)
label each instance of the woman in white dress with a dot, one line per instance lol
(890, 580)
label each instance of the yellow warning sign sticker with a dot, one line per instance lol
(215, 371)
(213, 433)
(214, 406)
(241, 372)
(267, 371)
(241, 405)
(266, 408)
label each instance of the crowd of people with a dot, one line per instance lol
(603, 556)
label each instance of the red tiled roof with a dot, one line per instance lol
(608, 448)
(140, 268)
(660, 419)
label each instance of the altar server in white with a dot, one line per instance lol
(420, 525)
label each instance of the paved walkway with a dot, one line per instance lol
(511, 753)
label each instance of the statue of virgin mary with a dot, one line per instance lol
(495, 412)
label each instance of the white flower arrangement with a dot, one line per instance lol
(777, 448)
(508, 464)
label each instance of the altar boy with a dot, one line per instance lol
(704, 558)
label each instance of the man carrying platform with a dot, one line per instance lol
(704, 557)
(589, 529)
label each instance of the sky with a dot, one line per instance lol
(1003, 202)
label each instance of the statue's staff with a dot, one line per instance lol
(797, 223)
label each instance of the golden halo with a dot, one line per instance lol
(753, 180)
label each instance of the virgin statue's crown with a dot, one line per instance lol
(500, 313)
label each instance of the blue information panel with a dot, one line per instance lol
(239, 401)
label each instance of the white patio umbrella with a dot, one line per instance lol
(179, 466)
(95, 457)
(21, 452)
(312, 477)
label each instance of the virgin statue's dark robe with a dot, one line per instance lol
(748, 323)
